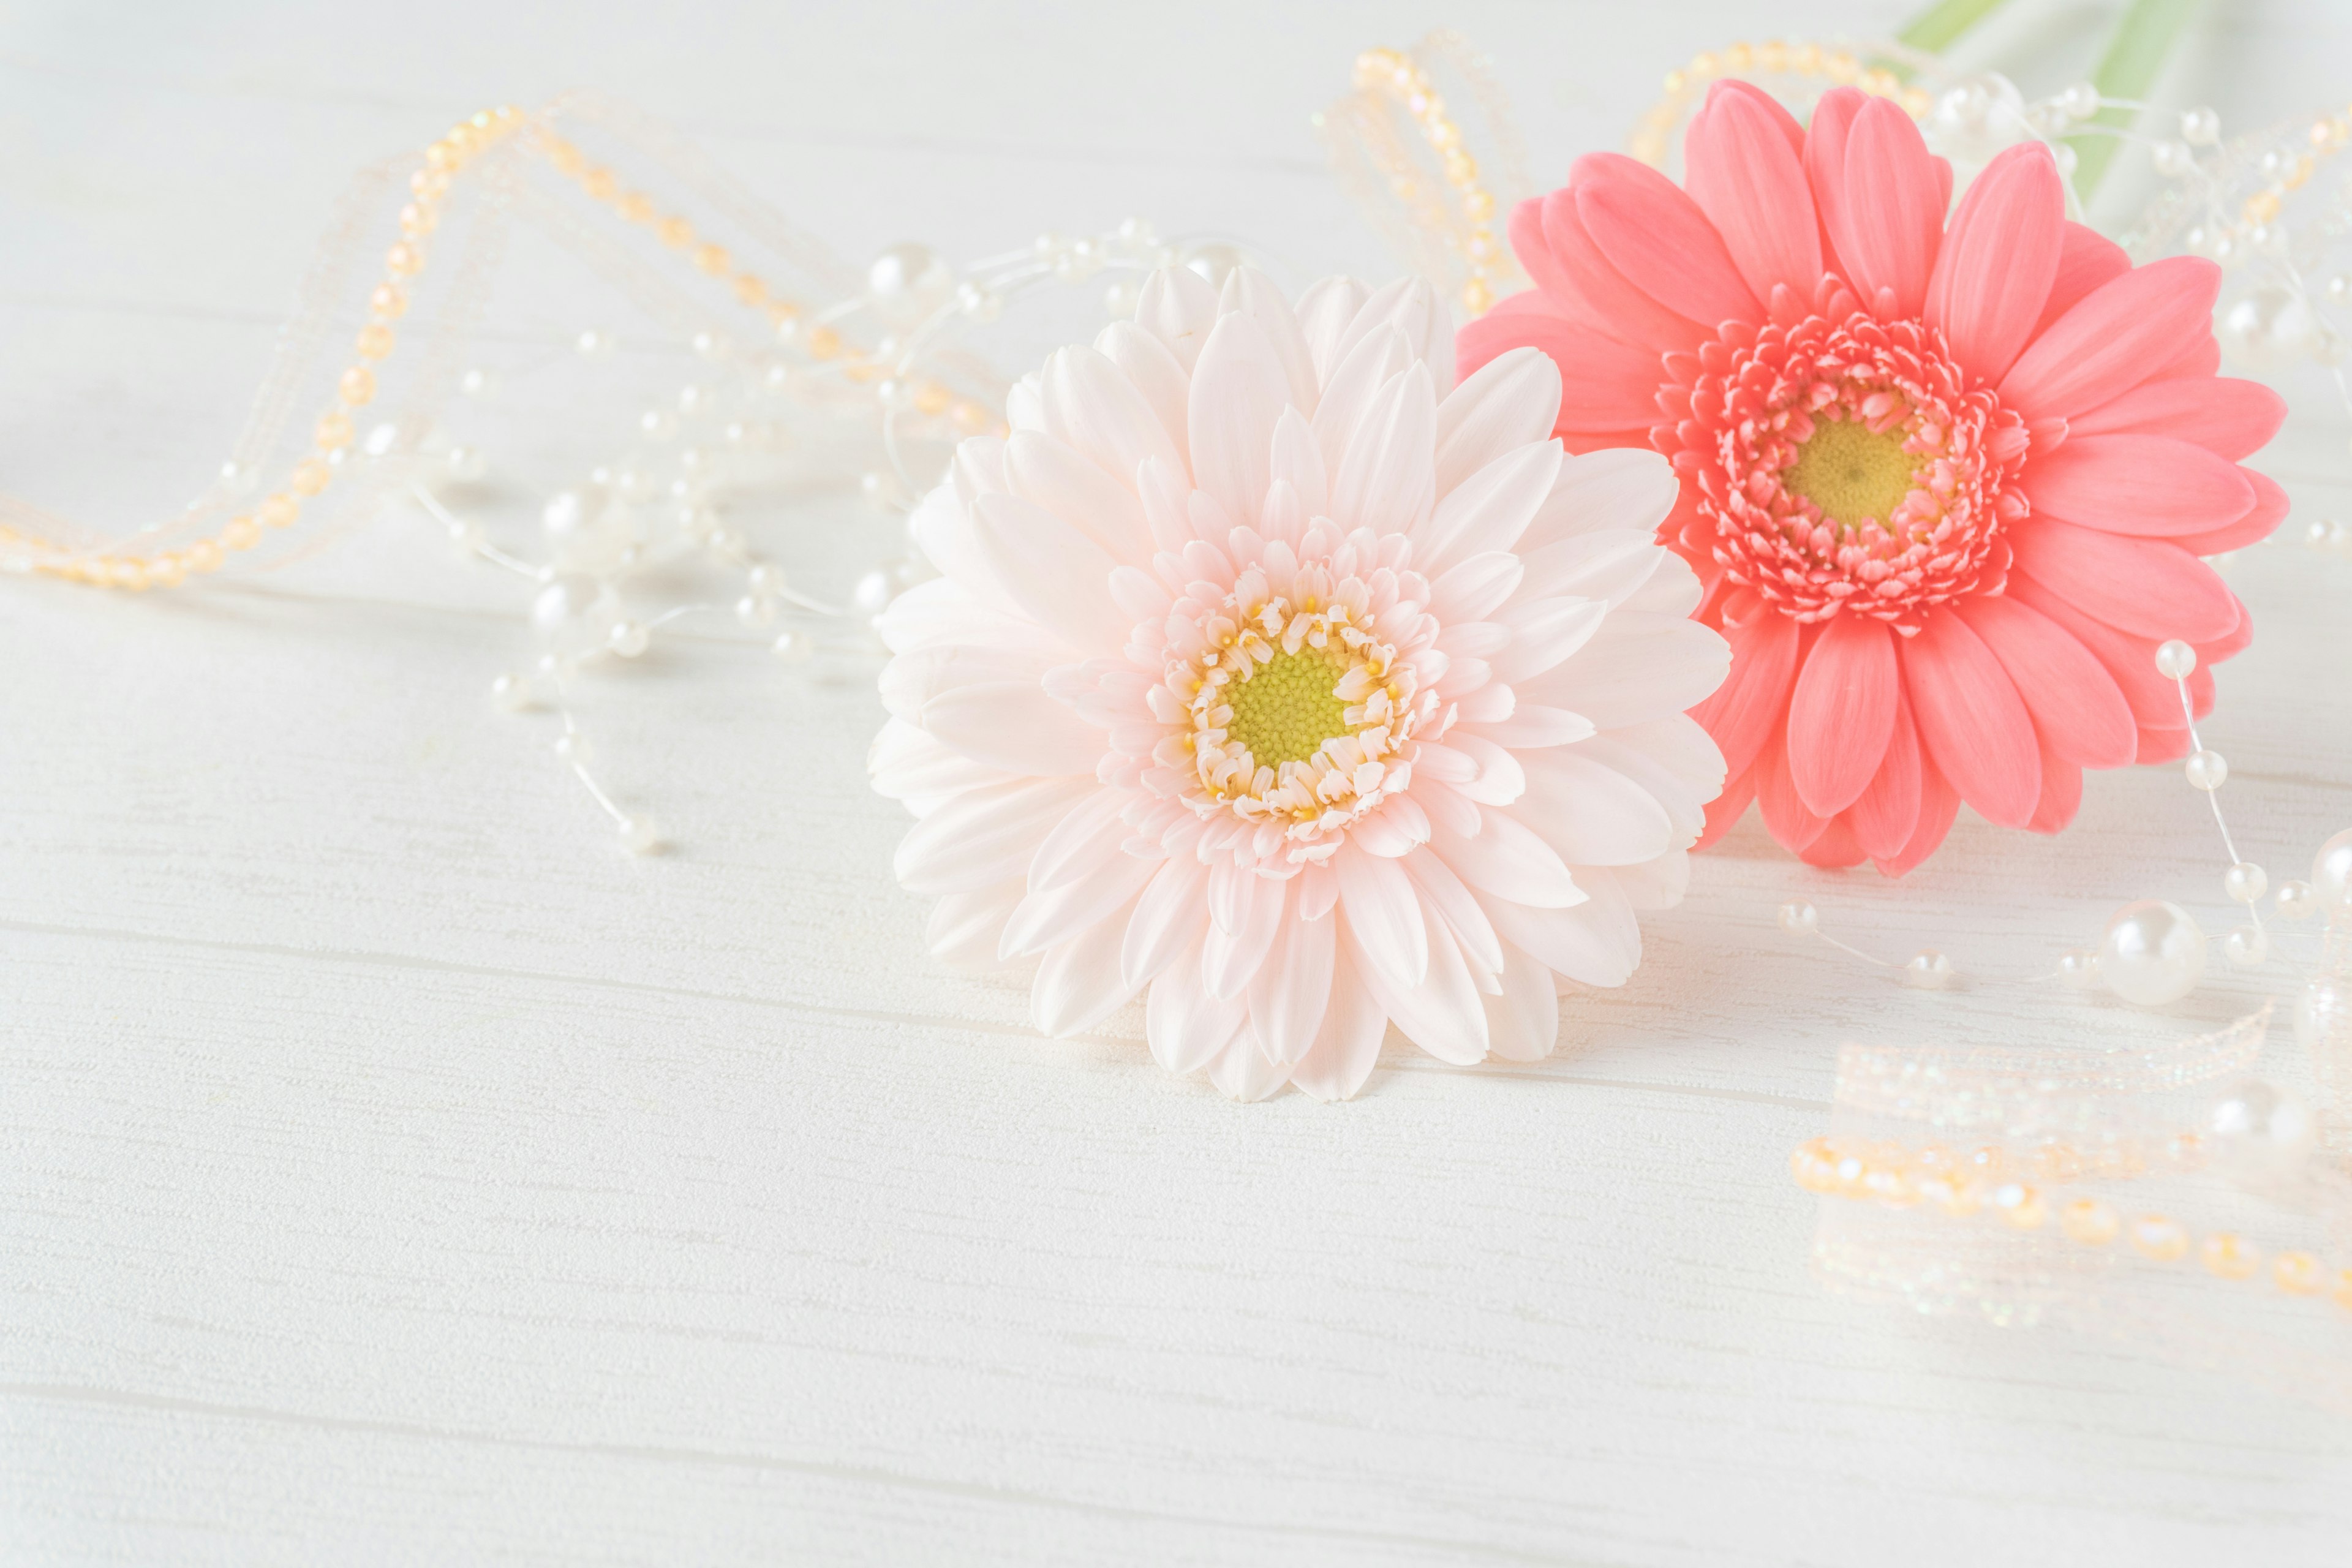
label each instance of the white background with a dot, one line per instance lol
(390, 1171)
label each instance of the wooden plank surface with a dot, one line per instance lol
(391, 1171)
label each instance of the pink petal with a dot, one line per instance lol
(1168, 918)
(1976, 727)
(2124, 332)
(1835, 848)
(2270, 510)
(1489, 509)
(1449, 899)
(1592, 813)
(1186, 1026)
(1293, 987)
(1041, 470)
(1082, 842)
(1605, 384)
(985, 836)
(1745, 174)
(1231, 957)
(1994, 271)
(1745, 710)
(1825, 155)
(1242, 1070)
(1239, 392)
(1939, 803)
(1887, 227)
(1386, 479)
(1885, 815)
(2218, 412)
(1597, 943)
(1523, 1022)
(2081, 712)
(963, 928)
(2150, 586)
(1526, 233)
(1178, 307)
(1724, 812)
(1078, 983)
(1786, 816)
(2129, 662)
(1658, 240)
(1441, 1013)
(2086, 258)
(1252, 293)
(1163, 384)
(1060, 576)
(1349, 1042)
(2062, 793)
(1091, 405)
(1603, 298)
(1510, 860)
(1841, 713)
(2141, 485)
(1513, 399)
(1383, 912)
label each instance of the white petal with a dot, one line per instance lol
(1242, 1070)
(1593, 814)
(1090, 405)
(1621, 486)
(1090, 835)
(1511, 400)
(1384, 912)
(1682, 792)
(1348, 392)
(1050, 475)
(942, 528)
(1052, 916)
(1657, 884)
(1238, 394)
(1544, 633)
(1489, 509)
(1597, 943)
(943, 611)
(1013, 725)
(1410, 306)
(1443, 891)
(1178, 307)
(1673, 589)
(1325, 311)
(1638, 667)
(1385, 479)
(1509, 861)
(1680, 744)
(913, 678)
(1168, 918)
(904, 762)
(984, 836)
(1186, 1026)
(1441, 1015)
(1164, 383)
(1252, 293)
(1292, 988)
(1608, 564)
(1024, 404)
(1078, 983)
(1298, 458)
(1473, 587)
(1058, 574)
(1230, 959)
(1523, 1022)
(963, 928)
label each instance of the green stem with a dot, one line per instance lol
(2135, 54)
(1940, 26)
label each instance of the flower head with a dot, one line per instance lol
(1947, 484)
(1269, 676)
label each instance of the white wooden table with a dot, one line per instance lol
(390, 1171)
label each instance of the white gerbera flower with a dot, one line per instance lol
(1265, 678)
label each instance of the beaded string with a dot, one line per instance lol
(1828, 64)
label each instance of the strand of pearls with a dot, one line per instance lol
(1448, 222)
(1797, 72)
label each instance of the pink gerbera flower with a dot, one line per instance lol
(1948, 485)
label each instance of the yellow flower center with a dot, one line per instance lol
(1852, 473)
(1285, 709)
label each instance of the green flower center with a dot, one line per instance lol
(1284, 708)
(1853, 474)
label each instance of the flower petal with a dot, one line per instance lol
(985, 836)
(1170, 917)
(1044, 471)
(1745, 175)
(1349, 1042)
(1658, 240)
(1186, 1026)
(1746, 710)
(1592, 813)
(2087, 259)
(1078, 983)
(2235, 418)
(1506, 404)
(1509, 860)
(1386, 480)
(1939, 803)
(1475, 586)
(1599, 942)
(1383, 912)
(1447, 897)
(1604, 492)
(1348, 395)
(2119, 335)
(1178, 307)
(1887, 229)
(1999, 259)
(1636, 667)
(1242, 1070)
(1885, 815)
(1239, 392)
(1060, 576)
(1441, 1013)
(2081, 712)
(2270, 508)
(1293, 987)
(1013, 725)
(1232, 955)
(1523, 1022)
(2150, 586)
(1049, 917)
(1976, 727)
(1325, 312)
(1841, 713)
(1489, 509)
(1603, 298)
(2150, 485)
(1144, 360)
(1252, 293)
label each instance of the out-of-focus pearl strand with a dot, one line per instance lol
(1985, 1183)
(1793, 70)
(2153, 952)
(333, 435)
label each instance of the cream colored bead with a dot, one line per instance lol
(357, 387)
(128, 573)
(635, 206)
(2297, 1273)
(389, 301)
(2229, 1256)
(404, 260)
(675, 232)
(599, 182)
(2159, 1236)
(713, 259)
(822, 343)
(2019, 1205)
(310, 476)
(279, 510)
(204, 555)
(167, 571)
(374, 341)
(2090, 1222)
(417, 220)
(333, 432)
(242, 533)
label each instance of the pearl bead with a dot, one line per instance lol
(629, 638)
(640, 835)
(574, 612)
(2331, 874)
(695, 399)
(1214, 262)
(2174, 159)
(381, 438)
(725, 544)
(2246, 947)
(2261, 1133)
(1799, 918)
(2080, 101)
(2079, 968)
(634, 482)
(573, 747)
(2153, 954)
(2064, 157)
(511, 692)
(978, 304)
(709, 346)
(2159, 1236)
(478, 383)
(2019, 1205)
(2245, 882)
(766, 579)
(2175, 660)
(1121, 299)
(2295, 900)
(795, 647)
(466, 464)
(558, 667)
(2322, 1024)
(2200, 128)
(908, 282)
(1928, 970)
(596, 343)
(2206, 770)
(568, 514)
(754, 611)
(2090, 1222)
(873, 594)
(2297, 1273)
(659, 422)
(2229, 1256)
